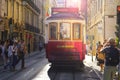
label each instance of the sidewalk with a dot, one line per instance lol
(91, 62)
(88, 62)
(26, 56)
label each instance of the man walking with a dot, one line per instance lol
(21, 53)
(111, 59)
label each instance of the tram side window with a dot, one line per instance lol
(76, 31)
(53, 31)
(65, 30)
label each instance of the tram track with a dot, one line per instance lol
(89, 74)
(100, 78)
(64, 76)
(54, 77)
(74, 76)
(97, 74)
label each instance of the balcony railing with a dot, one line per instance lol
(31, 28)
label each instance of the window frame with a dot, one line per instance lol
(80, 31)
(55, 24)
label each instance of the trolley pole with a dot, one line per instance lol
(65, 4)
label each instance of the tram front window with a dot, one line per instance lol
(53, 31)
(64, 30)
(76, 31)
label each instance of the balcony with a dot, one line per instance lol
(31, 3)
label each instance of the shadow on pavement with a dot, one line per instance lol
(54, 71)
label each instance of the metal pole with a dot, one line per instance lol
(42, 14)
(12, 16)
(11, 25)
(92, 49)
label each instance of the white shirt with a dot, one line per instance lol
(10, 49)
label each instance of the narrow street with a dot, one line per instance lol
(70, 31)
(38, 68)
(90, 72)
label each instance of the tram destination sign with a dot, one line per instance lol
(69, 10)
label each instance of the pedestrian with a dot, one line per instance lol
(3, 54)
(10, 55)
(21, 53)
(6, 45)
(15, 52)
(28, 47)
(99, 46)
(105, 43)
(111, 59)
(7, 42)
(100, 57)
(88, 51)
(40, 46)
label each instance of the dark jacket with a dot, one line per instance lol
(110, 53)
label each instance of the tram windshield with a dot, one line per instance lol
(65, 30)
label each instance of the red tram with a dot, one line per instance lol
(65, 37)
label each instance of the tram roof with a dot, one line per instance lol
(64, 15)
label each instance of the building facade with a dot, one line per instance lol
(31, 12)
(19, 19)
(3, 20)
(101, 20)
(48, 4)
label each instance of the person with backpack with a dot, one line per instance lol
(111, 59)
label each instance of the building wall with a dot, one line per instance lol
(101, 20)
(1, 17)
(31, 21)
(48, 4)
(95, 17)
(25, 21)
(0, 7)
(9, 11)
